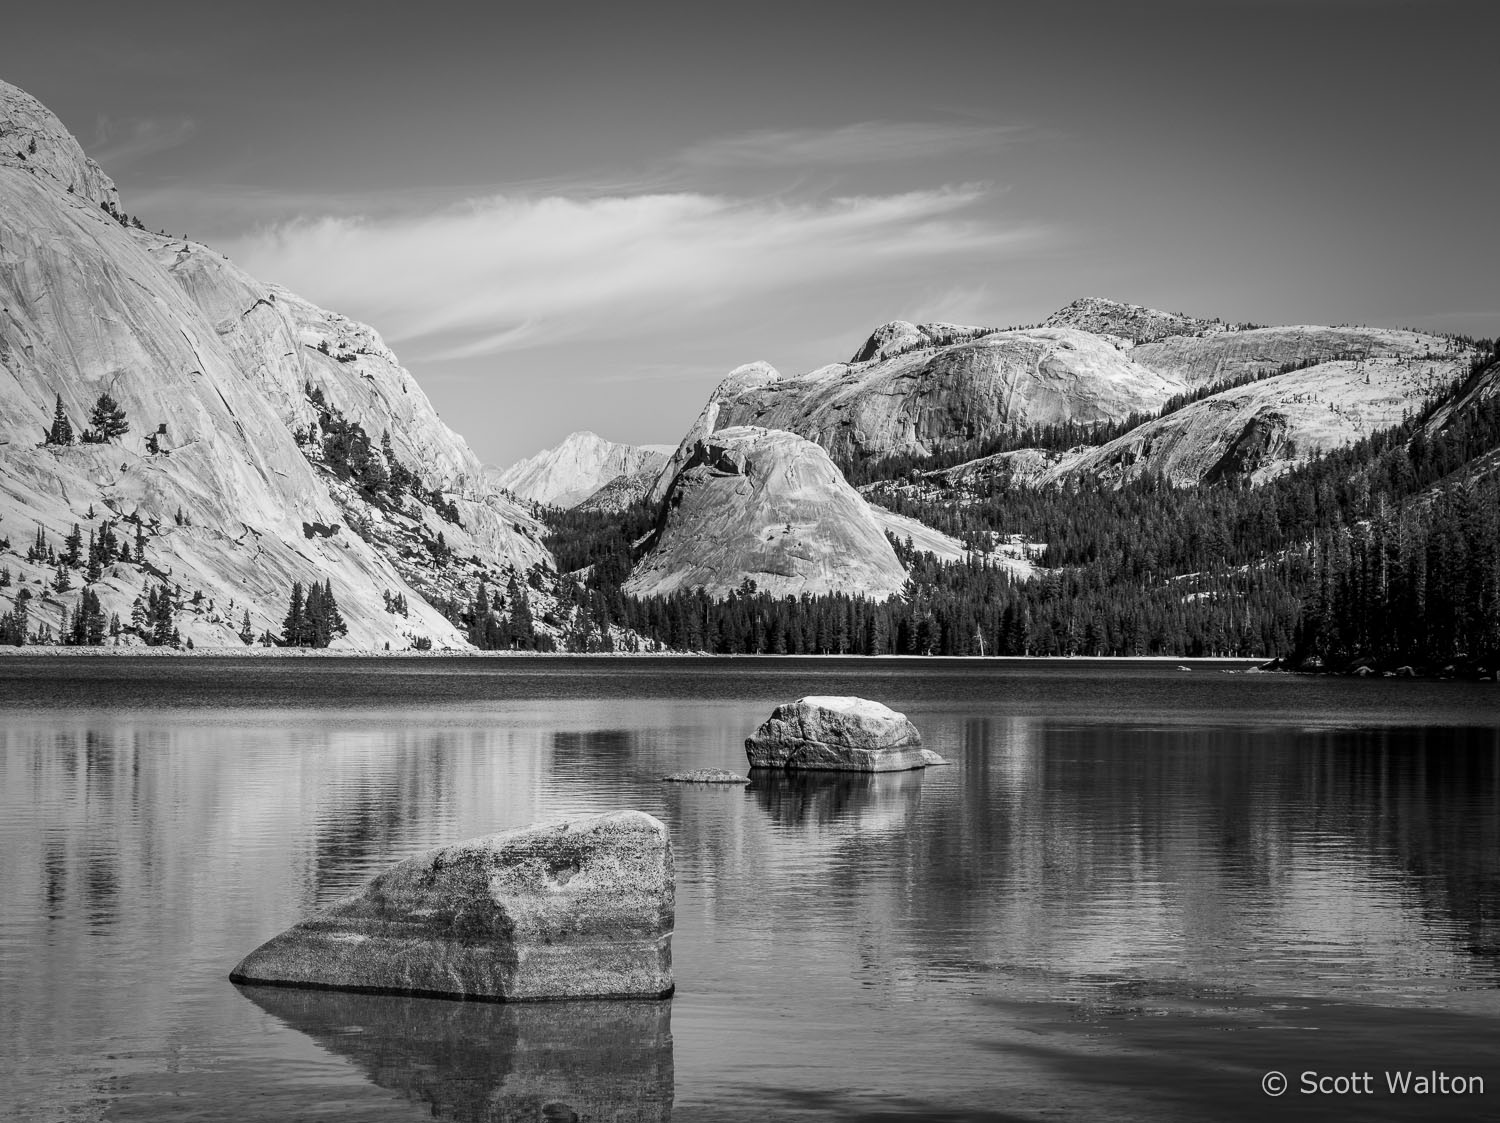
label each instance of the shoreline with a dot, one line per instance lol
(40, 651)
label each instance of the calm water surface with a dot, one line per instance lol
(1137, 891)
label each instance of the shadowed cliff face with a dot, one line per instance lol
(770, 507)
(211, 368)
(476, 1062)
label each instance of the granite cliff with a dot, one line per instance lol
(769, 507)
(927, 388)
(225, 486)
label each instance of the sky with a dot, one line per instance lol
(583, 216)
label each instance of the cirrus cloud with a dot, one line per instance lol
(507, 272)
(865, 142)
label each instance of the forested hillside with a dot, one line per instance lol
(1386, 552)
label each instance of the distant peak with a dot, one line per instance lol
(1134, 322)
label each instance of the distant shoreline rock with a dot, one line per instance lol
(1468, 668)
(705, 776)
(582, 908)
(836, 733)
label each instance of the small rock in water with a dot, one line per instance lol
(842, 734)
(932, 759)
(575, 909)
(705, 776)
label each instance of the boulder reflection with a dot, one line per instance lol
(869, 801)
(486, 1062)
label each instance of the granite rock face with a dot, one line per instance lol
(837, 734)
(769, 507)
(33, 140)
(1256, 431)
(1261, 421)
(935, 387)
(574, 909)
(214, 370)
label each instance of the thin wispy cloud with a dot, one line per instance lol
(122, 141)
(868, 142)
(504, 273)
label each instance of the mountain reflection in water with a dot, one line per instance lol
(1127, 872)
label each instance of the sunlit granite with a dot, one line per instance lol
(841, 734)
(576, 909)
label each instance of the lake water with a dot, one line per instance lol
(1137, 891)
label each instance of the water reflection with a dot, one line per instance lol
(484, 1062)
(854, 802)
(1067, 867)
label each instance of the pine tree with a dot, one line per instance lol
(73, 548)
(522, 625)
(480, 617)
(61, 432)
(107, 421)
(247, 634)
(88, 622)
(95, 566)
(315, 614)
(294, 626)
(160, 612)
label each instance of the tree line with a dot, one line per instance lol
(1382, 551)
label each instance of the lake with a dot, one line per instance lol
(1138, 890)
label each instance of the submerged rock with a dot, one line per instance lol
(842, 734)
(574, 909)
(705, 776)
(933, 760)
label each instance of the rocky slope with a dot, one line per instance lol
(213, 371)
(771, 507)
(574, 470)
(932, 397)
(1222, 356)
(1257, 431)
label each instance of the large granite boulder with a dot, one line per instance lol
(575, 909)
(838, 734)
